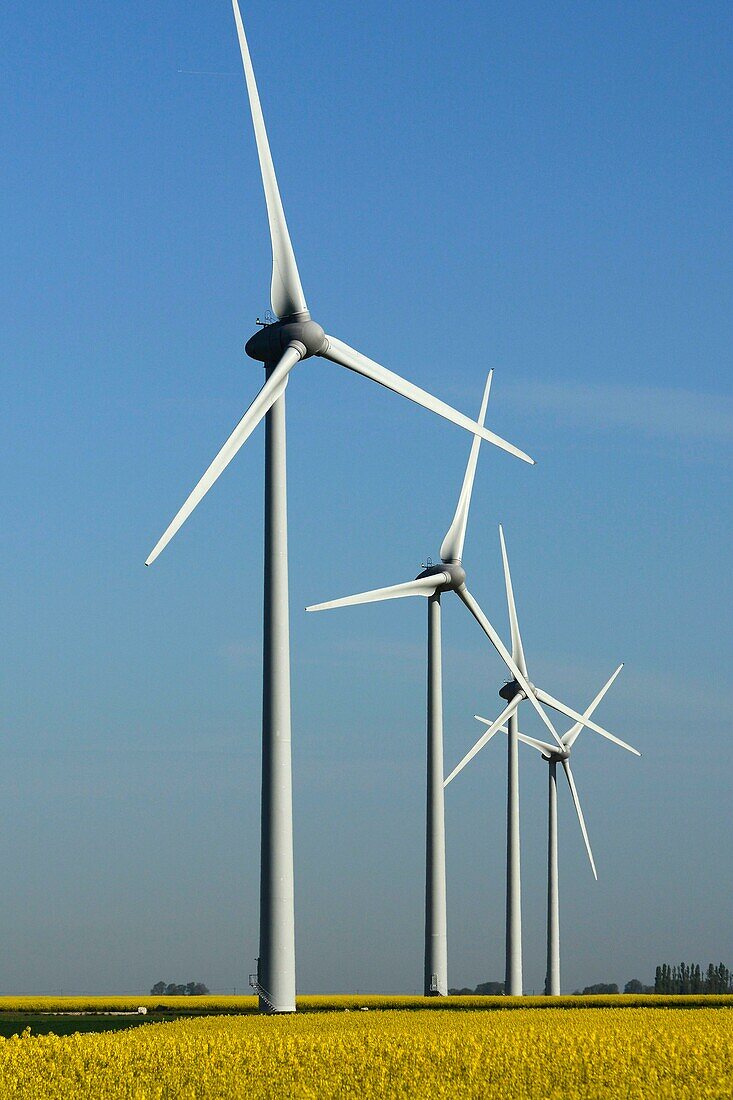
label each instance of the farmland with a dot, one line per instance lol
(224, 1004)
(529, 1052)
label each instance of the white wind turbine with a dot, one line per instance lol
(514, 693)
(553, 757)
(281, 346)
(449, 576)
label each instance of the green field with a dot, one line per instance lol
(47, 1023)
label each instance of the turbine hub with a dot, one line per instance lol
(558, 757)
(453, 570)
(268, 345)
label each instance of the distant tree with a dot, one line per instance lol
(484, 989)
(601, 987)
(191, 989)
(634, 986)
(720, 979)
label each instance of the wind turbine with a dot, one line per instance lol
(553, 758)
(550, 754)
(280, 346)
(435, 580)
(514, 692)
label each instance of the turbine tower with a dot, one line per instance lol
(449, 576)
(514, 693)
(553, 758)
(280, 346)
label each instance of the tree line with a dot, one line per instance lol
(191, 989)
(677, 979)
(691, 978)
(484, 989)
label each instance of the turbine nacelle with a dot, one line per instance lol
(453, 571)
(298, 331)
(511, 689)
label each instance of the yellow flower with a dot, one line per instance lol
(553, 1053)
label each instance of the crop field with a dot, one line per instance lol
(218, 1004)
(550, 1053)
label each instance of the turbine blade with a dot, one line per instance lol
(581, 819)
(506, 657)
(423, 586)
(286, 293)
(452, 548)
(338, 352)
(570, 737)
(517, 648)
(273, 388)
(541, 746)
(557, 705)
(484, 739)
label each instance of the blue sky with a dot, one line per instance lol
(541, 188)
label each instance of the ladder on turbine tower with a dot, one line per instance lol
(262, 993)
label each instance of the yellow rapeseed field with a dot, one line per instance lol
(549, 1053)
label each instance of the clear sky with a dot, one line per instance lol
(539, 187)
